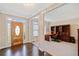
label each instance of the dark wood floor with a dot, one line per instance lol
(27, 49)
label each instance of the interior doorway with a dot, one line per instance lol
(16, 33)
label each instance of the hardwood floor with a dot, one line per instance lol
(27, 49)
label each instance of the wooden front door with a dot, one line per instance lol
(16, 33)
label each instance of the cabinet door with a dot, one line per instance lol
(66, 29)
(52, 30)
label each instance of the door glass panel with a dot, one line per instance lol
(17, 30)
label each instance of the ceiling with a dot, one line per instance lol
(22, 9)
(65, 12)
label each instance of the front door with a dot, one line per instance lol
(16, 33)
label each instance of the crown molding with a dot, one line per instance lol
(49, 9)
(5, 13)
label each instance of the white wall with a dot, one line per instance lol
(67, 11)
(74, 23)
(3, 31)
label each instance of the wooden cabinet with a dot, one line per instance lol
(63, 32)
(66, 33)
(66, 28)
(60, 33)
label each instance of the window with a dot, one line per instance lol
(35, 28)
(17, 30)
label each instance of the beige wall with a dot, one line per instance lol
(74, 26)
(41, 26)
